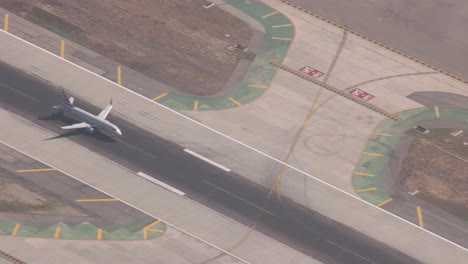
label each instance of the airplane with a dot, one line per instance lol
(90, 121)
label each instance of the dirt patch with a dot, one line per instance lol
(174, 41)
(18, 198)
(437, 166)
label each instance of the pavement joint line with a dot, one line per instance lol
(385, 202)
(57, 232)
(363, 174)
(34, 170)
(15, 230)
(281, 38)
(257, 86)
(336, 91)
(383, 134)
(195, 105)
(219, 133)
(193, 153)
(372, 154)
(367, 189)
(161, 184)
(281, 26)
(453, 76)
(420, 218)
(271, 14)
(158, 97)
(436, 109)
(96, 200)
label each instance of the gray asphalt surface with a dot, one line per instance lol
(431, 30)
(298, 227)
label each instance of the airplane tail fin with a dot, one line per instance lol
(67, 101)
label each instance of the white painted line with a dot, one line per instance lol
(121, 200)
(160, 183)
(241, 143)
(207, 160)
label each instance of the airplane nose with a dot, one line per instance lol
(118, 132)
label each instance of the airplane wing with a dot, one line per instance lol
(105, 111)
(78, 125)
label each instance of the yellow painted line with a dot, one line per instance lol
(152, 224)
(17, 226)
(96, 200)
(234, 101)
(363, 174)
(372, 154)
(36, 170)
(436, 109)
(271, 14)
(62, 48)
(119, 75)
(195, 105)
(159, 97)
(145, 233)
(57, 232)
(382, 134)
(379, 19)
(257, 86)
(385, 202)
(365, 190)
(5, 25)
(99, 234)
(155, 230)
(420, 218)
(281, 38)
(280, 26)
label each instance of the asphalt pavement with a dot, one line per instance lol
(433, 31)
(324, 239)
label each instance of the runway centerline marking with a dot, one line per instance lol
(240, 198)
(97, 200)
(385, 202)
(372, 154)
(33, 170)
(207, 160)
(420, 218)
(160, 183)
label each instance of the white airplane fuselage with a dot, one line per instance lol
(95, 122)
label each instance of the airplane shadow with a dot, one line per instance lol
(96, 134)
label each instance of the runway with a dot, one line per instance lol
(138, 150)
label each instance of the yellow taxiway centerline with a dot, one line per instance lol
(280, 26)
(195, 105)
(365, 190)
(281, 38)
(385, 202)
(372, 154)
(17, 226)
(436, 109)
(57, 232)
(269, 15)
(257, 86)
(363, 174)
(383, 134)
(51, 169)
(234, 101)
(159, 97)
(420, 218)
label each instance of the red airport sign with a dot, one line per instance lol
(361, 94)
(311, 71)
